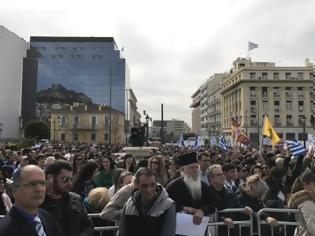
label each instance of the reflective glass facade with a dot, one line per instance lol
(87, 69)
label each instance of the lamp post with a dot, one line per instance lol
(303, 120)
(147, 118)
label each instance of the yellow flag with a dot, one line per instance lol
(269, 131)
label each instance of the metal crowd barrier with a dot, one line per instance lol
(244, 223)
(280, 223)
(104, 228)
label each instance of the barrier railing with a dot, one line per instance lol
(261, 222)
(243, 223)
(103, 228)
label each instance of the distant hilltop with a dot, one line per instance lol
(59, 94)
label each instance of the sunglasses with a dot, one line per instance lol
(66, 179)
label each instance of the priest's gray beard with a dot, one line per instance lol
(194, 186)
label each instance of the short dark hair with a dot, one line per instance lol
(56, 167)
(308, 178)
(16, 177)
(228, 166)
(143, 171)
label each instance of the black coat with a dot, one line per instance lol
(14, 224)
(181, 195)
(78, 222)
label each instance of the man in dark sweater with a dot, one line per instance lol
(149, 211)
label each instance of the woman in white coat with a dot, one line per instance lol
(303, 198)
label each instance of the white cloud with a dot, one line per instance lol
(174, 46)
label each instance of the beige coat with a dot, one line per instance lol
(304, 201)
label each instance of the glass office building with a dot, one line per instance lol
(80, 69)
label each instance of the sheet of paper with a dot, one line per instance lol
(185, 225)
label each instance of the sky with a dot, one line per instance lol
(173, 46)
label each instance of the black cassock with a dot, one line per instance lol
(179, 192)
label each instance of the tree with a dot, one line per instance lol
(37, 129)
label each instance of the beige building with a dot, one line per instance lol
(134, 115)
(256, 88)
(195, 114)
(172, 127)
(214, 103)
(87, 124)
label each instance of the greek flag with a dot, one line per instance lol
(295, 148)
(197, 141)
(252, 46)
(180, 142)
(222, 143)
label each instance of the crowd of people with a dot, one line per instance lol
(49, 190)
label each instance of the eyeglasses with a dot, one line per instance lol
(32, 184)
(66, 179)
(154, 162)
(265, 167)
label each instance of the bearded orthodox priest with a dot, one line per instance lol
(190, 194)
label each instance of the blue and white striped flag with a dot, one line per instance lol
(295, 148)
(197, 142)
(222, 143)
(180, 142)
(252, 46)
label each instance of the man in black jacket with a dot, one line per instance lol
(190, 194)
(25, 218)
(65, 206)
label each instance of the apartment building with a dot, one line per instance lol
(285, 93)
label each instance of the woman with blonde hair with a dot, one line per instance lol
(303, 198)
(95, 203)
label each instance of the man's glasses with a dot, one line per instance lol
(66, 179)
(32, 184)
(155, 162)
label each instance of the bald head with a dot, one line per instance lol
(30, 188)
(26, 171)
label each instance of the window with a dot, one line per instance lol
(106, 122)
(301, 106)
(289, 120)
(302, 136)
(252, 91)
(287, 75)
(264, 75)
(300, 75)
(300, 91)
(63, 120)
(253, 120)
(75, 121)
(288, 91)
(264, 91)
(93, 137)
(275, 75)
(76, 137)
(106, 137)
(277, 106)
(276, 92)
(93, 121)
(253, 106)
(301, 119)
(252, 75)
(277, 120)
(290, 136)
(288, 105)
(265, 105)
(311, 76)
(63, 137)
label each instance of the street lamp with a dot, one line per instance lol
(303, 120)
(147, 118)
